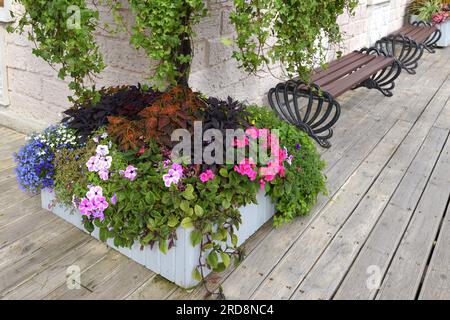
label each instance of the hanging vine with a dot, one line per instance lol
(290, 32)
(268, 31)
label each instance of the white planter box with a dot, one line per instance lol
(179, 262)
(444, 41)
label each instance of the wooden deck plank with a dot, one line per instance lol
(52, 277)
(27, 245)
(326, 275)
(243, 278)
(19, 210)
(405, 273)
(92, 277)
(22, 227)
(123, 283)
(287, 274)
(14, 275)
(382, 243)
(436, 285)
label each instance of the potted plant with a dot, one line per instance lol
(112, 166)
(436, 12)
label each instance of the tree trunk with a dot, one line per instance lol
(185, 49)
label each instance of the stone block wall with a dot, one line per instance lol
(35, 97)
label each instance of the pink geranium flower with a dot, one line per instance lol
(241, 143)
(172, 177)
(262, 184)
(252, 132)
(206, 176)
(246, 168)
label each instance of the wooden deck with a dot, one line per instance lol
(382, 233)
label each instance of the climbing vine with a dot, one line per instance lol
(268, 31)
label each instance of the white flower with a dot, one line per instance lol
(102, 150)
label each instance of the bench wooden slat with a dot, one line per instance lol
(333, 65)
(332, 76)
(347, 83)
(424, 34)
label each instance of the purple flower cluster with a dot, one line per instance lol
(35, 167)
(95, 204)
(101, 162)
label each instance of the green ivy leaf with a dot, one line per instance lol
(234, 239)
(213, 259)
(196, 274)
(225, 259)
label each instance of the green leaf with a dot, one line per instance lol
(196, 274)
(213, 259)
(173, 221)
(198, 210)
(187, 223)
(220, 267)
(225, 259)
(223, 172)
(184, 205)
(188, 194)
(163, 246)
(196, 237)
(234, 239)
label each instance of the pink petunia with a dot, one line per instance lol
(94, 191)
(102, 150)
(103, 174)
(104, 163)
(100, 203)
(86, 207)
(98, 215)
(92, 164)
(172, 177)
(130, 173)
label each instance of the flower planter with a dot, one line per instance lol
(180, 261)
(444, 41)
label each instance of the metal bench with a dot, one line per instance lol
(313, 107)
(408, 43)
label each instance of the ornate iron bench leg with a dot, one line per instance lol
(384, 79)
(307, 107)
(404, 49)
(431, 41)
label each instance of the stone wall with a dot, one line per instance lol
(36, 97)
